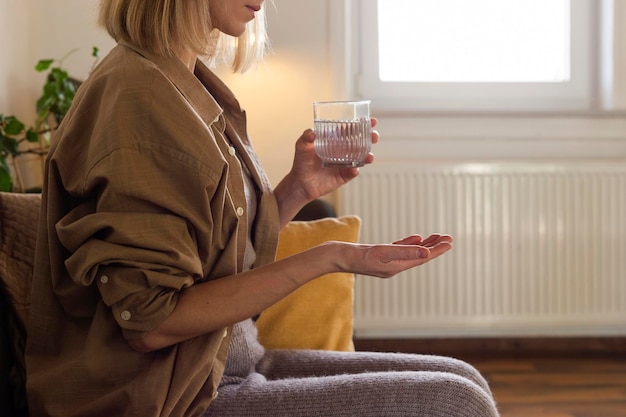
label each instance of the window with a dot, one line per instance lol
(474, 41)
(457, 55)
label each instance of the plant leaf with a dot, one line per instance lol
(43, 64)
(43, 105)
(13, 126)
(32, 135)
(58, 74)
(8, 145)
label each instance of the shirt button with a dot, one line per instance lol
(104, 279)
(215, 394)
(126, 315)
(232, 151)
(225, 333)
(240, 211)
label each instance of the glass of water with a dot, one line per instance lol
(343, 132)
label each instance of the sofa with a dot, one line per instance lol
(316, 316)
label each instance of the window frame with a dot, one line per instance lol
(577, 94)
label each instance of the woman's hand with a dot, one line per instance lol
(315, 179)
(309, 179)
(387, 260)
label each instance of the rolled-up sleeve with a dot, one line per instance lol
(139, 263)
(137, 306)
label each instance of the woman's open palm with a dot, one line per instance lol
(387, 260)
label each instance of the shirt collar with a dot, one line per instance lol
(187, 83)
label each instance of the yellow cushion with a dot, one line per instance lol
(318, 315)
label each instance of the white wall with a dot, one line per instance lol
(277, 95)
(14, 50)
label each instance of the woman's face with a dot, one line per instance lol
(231, 16)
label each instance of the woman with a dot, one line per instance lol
(157, 240)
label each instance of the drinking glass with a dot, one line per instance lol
(343, 132)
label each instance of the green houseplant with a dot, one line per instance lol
(17, 139)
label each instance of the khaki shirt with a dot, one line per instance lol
(142, 199)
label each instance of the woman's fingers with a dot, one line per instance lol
(409, 240)
(429, 241)
(436, 238)
(439, 249)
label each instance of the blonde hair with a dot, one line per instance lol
(156, 25)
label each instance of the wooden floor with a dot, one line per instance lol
(579, 381)
(557, 386)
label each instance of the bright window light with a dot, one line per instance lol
(489, 41)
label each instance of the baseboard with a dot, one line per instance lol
(490, 347)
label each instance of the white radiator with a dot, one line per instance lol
(540, 248)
